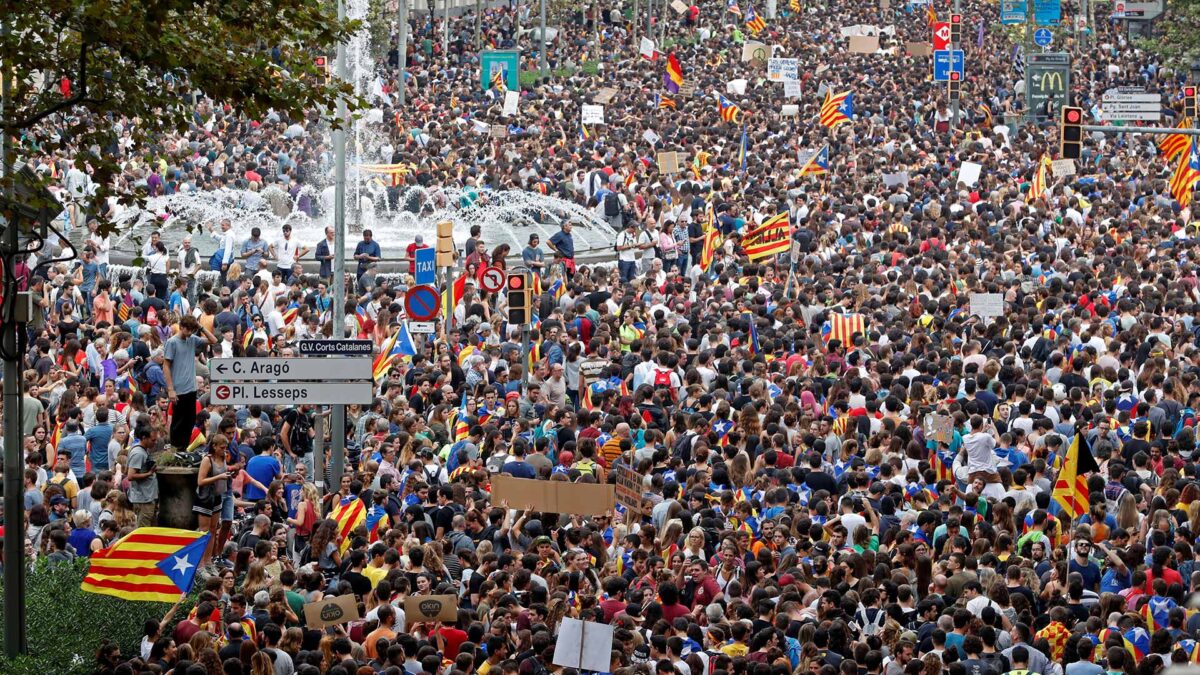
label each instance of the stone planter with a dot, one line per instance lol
(177, 496)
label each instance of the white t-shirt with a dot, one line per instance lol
(631, 254)
(285, 251)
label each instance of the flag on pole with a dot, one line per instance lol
(349, 514)
(754, 22)
(1186, 175)
(731, 6)
(712, 240)
(454, 293)
(837, 109)
(399, 345)
(1174, 144)
(742, 150)
(498, 81)
(1070, 497)
(150, 564)
(727, 109)
(814, 163)
(771, 238)
(1037, 187)
(673, 77)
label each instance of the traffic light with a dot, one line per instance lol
(954, 87)
(956, 30)
(1071, 133)
(1189, 102)
(518, 299)
(322, 64)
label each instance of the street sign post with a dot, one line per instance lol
(426, 273)
(1012, 12)
(1130, 104)
(1048, 78)
(1047, 12)
(948, 61)
(421, 327)
(492, 280)
(1138, 11)
(1042, 37)
(422, 303)
(292, 393)
(335, 347)
(290, 369)
(941, 35)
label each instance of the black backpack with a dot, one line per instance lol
(612, 205)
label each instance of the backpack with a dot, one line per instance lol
(662, 380)
(151, 316)
(683, 446)
(870, 626)
(612, 205)
(588, 468)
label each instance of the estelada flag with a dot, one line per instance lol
(150, 564)
(349, 514)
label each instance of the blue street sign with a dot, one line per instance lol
(426, 273)
(941, 64)
(422, 303)
(1047, 12)
(1042, 37)
(1012, 12)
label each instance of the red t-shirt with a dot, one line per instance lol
(411, 252)
(454, 639)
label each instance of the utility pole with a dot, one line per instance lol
(403, 47)
(15, 642)
(954, 104)
(478, 19)
(445, 27)
(337, 430)
(542, 41)
(1030, 27)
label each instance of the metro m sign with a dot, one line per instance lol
(941, 35)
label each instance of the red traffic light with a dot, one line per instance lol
(955, 18)
(516, 282)
(1072, 116)
(954, 76)
(1189, 91)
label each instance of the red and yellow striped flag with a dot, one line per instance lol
(150, 564)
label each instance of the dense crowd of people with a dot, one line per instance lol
(844, 466)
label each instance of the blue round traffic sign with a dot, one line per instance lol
(1042, 37)
(422, 303)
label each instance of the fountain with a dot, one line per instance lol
(508, 216)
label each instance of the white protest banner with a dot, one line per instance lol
(1063, 167)
(737, 87)
(779, 70)
(593, 114)
(891, 179)
(511, 100)
(648, 49)
(790, 110)
(650, 137)
(583, 645)
(969, 173)
(987, 305)
(791, 88)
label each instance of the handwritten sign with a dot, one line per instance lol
(1063, 167)
(687, 90)
(668, 162)
(499, 131)
(593, 114)
(987, 305)
(678, 6)
(791, 89)
(511, 100)
(629, 489)
(779, 70)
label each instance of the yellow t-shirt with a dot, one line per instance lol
(70, 487)
(375, 574)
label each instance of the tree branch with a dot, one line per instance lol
(81, 97)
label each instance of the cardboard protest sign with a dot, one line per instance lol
(942, 428)
(918, 48)
(668, 162)
(687, 89)
(629, 488)
(864, 44)
(584, 499)
(1063, 167)
(584, 645)
(499, 131)
(605, 95)
(753, 50)
(424, 608)
(678, 6)
(331, 611)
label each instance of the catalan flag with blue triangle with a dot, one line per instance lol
(1156, 613)
(377, 522)
(150, 564)
(1137, 641)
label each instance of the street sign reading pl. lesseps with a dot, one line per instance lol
(284, 370)
(292, 393)
(336, 347)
